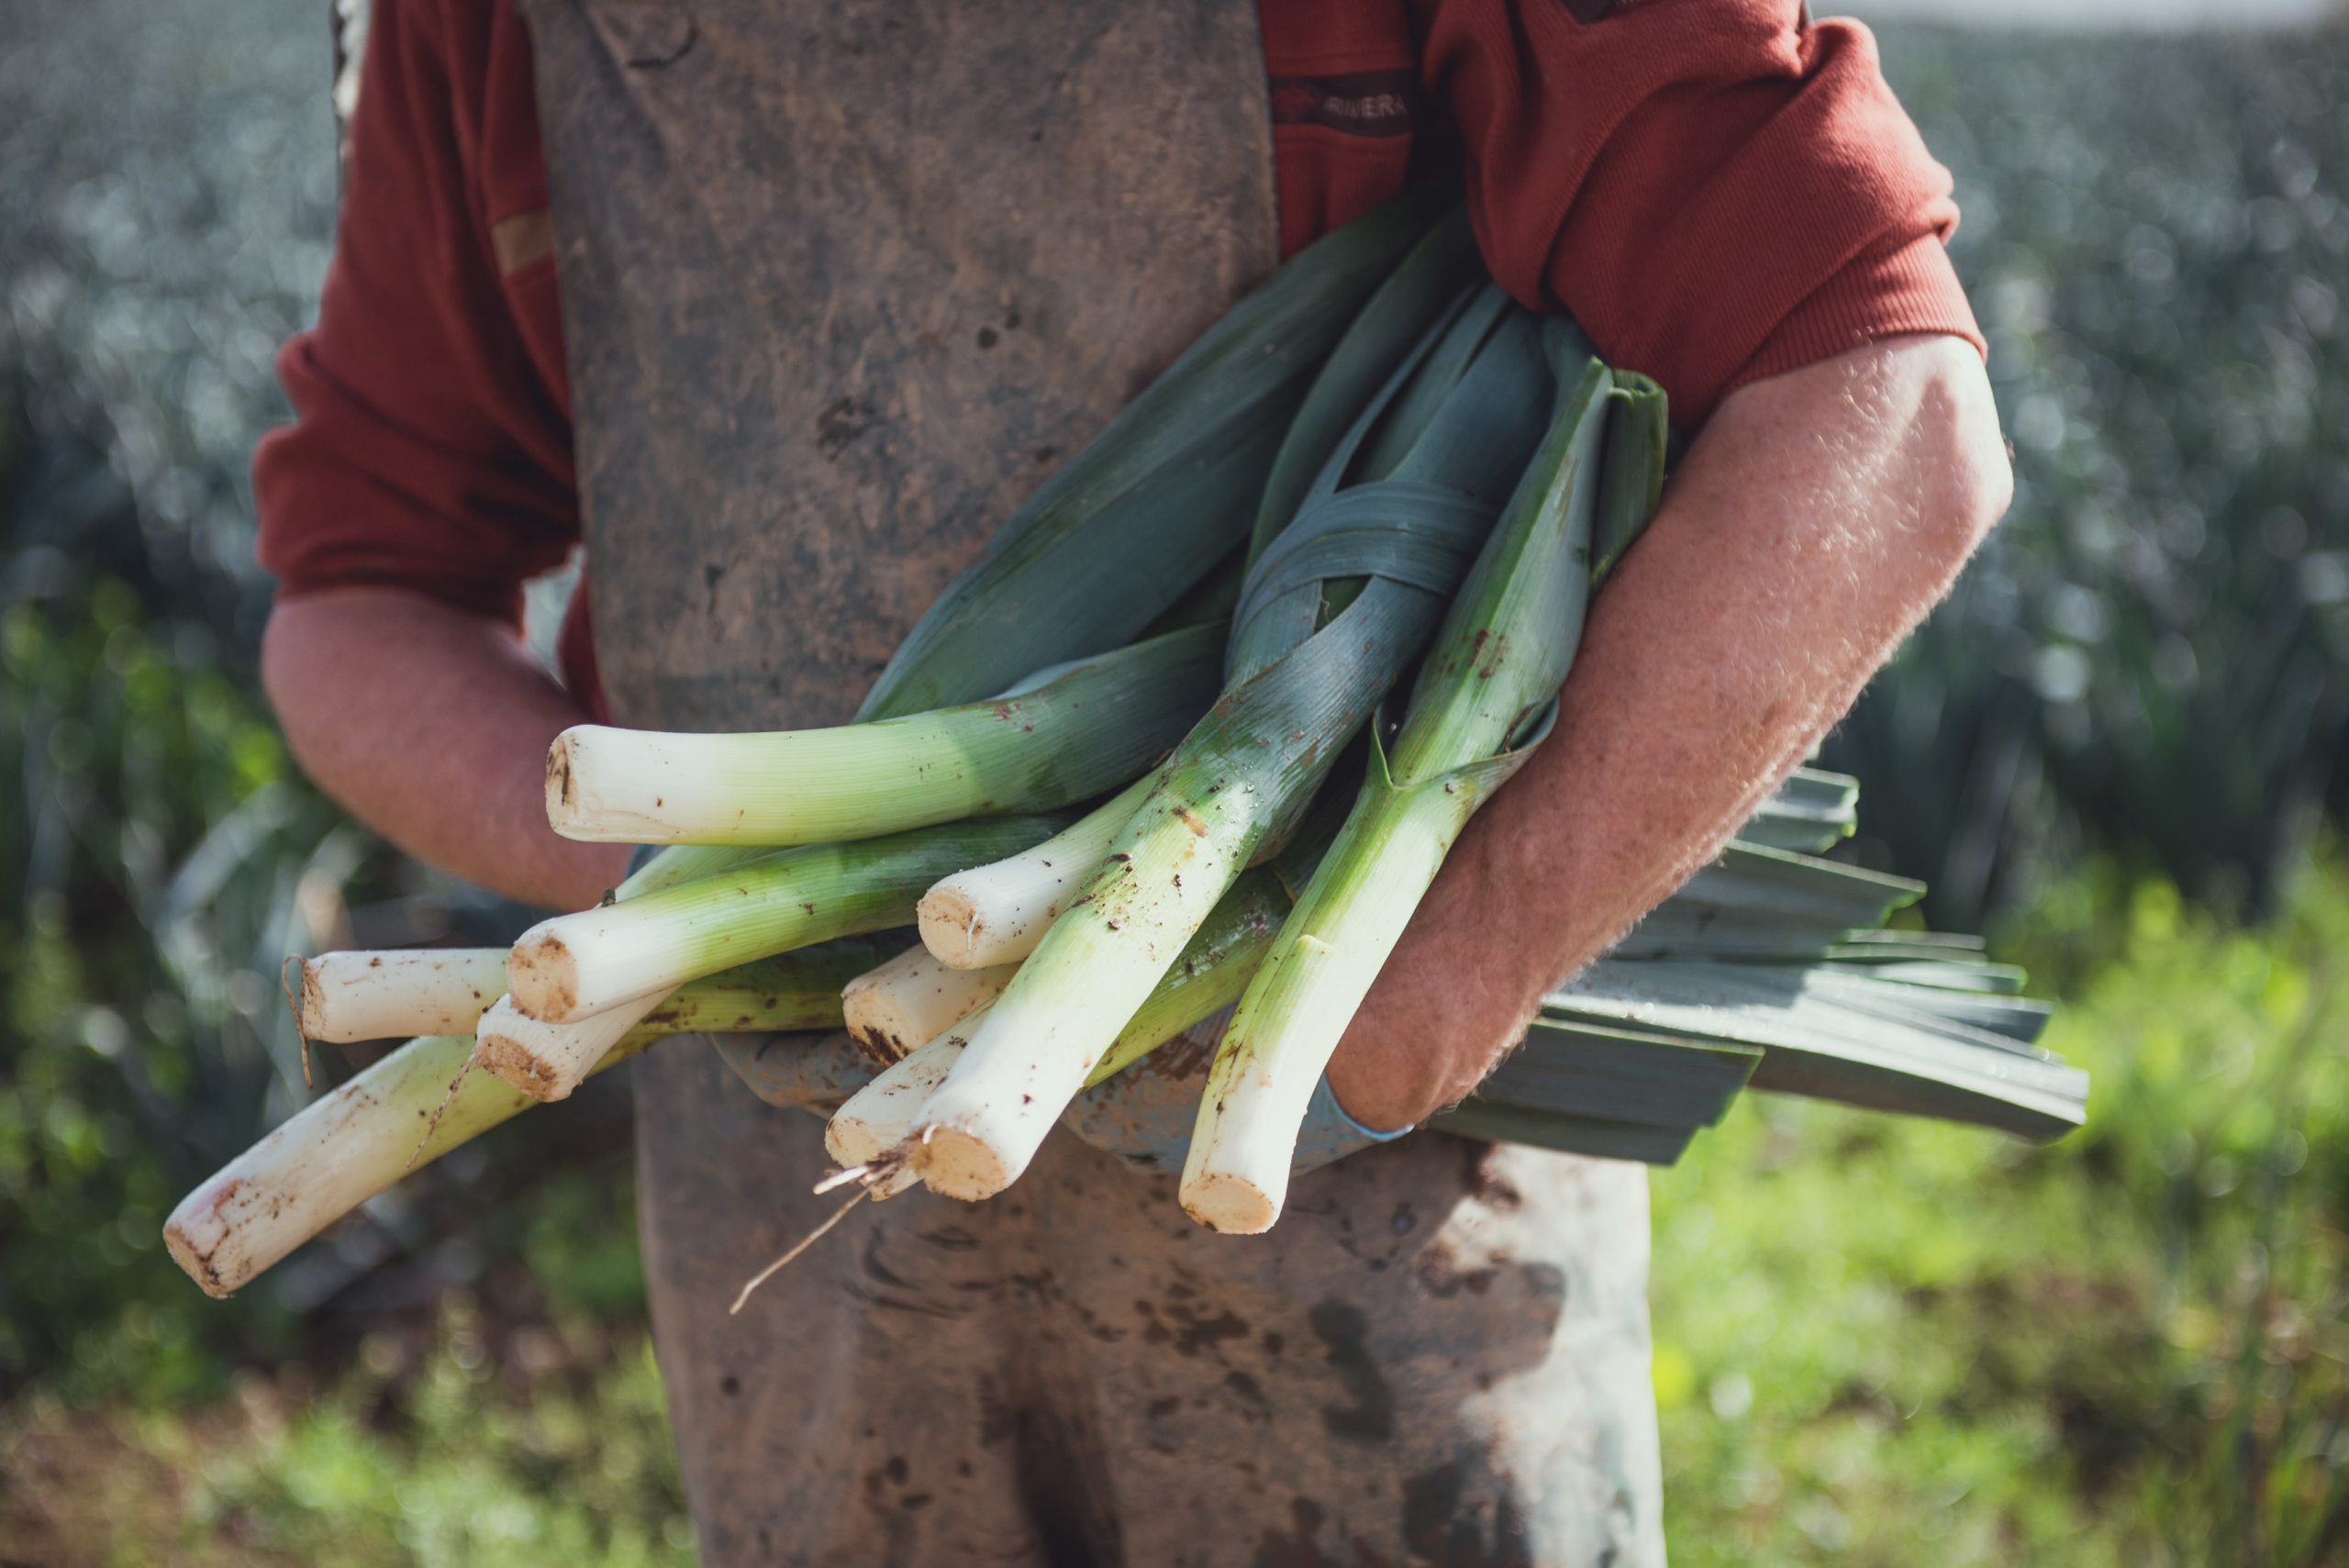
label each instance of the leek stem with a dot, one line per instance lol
(1492, 673)
(395, 993)
(576, 965)
(1086, 729)
(547, 1061)
(336, 1153)
(893, 1008)
(399, 993)
(1300, 1000)
(1207, 978)
(997, 913)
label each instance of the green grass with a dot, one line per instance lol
(1887, 1341)
(553, 1451)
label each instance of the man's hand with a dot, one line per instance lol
(1813, 522)
(431, 725)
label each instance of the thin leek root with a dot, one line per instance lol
(805, 1242)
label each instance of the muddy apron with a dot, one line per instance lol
(842, 284)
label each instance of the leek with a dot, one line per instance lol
(1086, 729)
(336, 1152)
(362, 1136)
(1480, 703)
(896, 1007)
(345, 997)
(1206, 979)
(995, 914)
(403, 992)
(574, 966)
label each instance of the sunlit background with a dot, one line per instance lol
(2114, 750)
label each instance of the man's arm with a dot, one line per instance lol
(431, 725)
(1813, 522)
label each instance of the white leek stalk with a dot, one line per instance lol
(1307, 989)
(894, 1008)
(1206, 979)
(1486, 689)
(336, 1153)
(547, 1061)
(574, 966)
(1033, 1053)
(1086, 729)
(344, 996)
(997, 913)
(881, 1115)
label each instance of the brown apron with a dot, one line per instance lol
(840, 284)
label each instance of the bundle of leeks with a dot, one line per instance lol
(1444, 479)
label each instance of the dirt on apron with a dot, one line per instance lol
(842, 284)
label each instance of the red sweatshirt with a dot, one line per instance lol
(1716, 191)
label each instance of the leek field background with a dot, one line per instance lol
(1877, 1341)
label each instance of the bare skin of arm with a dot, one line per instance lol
(1816, 518)
(431, 725)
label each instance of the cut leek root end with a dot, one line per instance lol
(998, 912)
(962, 1165)
(1231, 1204)
(545, 1060)
(895, 1008)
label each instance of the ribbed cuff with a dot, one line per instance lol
(1329, 1134)
(491, 600)
(1911, 287)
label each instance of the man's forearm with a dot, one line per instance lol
(431, 725)
(1812, 524)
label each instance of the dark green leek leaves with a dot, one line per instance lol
(1148, 506)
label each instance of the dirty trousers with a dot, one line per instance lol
(1440, 1355)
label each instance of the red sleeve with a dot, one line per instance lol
(1716, 192)
(431, 448)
